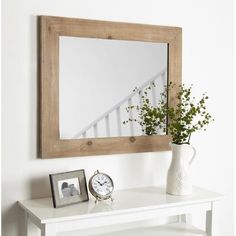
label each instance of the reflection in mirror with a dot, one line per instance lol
(97, 78)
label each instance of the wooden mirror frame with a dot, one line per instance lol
(50, 29)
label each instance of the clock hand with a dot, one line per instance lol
(99, 182)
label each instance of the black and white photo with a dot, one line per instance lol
(69, 187)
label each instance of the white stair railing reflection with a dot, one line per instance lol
(161, 77)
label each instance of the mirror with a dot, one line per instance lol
(97, 78)
(90, 72)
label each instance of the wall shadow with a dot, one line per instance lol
(12, 217)
(39, 188)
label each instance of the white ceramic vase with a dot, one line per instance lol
(179, 177)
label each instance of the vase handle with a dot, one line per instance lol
(194, 154)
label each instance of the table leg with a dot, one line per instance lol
(211, 227)
(25, 229)
(48, 230)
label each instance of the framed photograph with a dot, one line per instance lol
(68, 188)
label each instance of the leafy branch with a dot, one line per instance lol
(151, 119)
(185, 118)
(188, 116)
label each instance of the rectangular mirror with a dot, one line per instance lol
(97, 78)
(90, 73)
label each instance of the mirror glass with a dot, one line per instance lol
(97, 81)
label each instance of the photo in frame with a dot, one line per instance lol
(68, 188)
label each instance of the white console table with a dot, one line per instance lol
(131, 205)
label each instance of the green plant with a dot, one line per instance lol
(187, 117)
(151, 119)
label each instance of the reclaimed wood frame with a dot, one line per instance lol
(50, 29)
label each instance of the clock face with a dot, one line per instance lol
(102, 184)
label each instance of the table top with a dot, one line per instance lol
(128, 200)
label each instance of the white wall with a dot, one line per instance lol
(207, 62)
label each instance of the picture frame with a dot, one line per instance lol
(68, 188)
